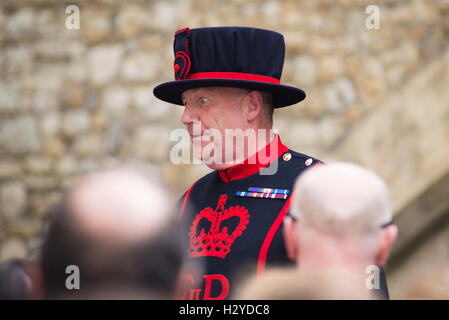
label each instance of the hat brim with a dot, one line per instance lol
(283, 95)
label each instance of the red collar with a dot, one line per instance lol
(256, 162)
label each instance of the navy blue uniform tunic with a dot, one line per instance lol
(233, 232)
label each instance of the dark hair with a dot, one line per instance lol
(152, 265)
(267, 101)
(13, 281)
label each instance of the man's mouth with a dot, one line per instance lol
(195, 134)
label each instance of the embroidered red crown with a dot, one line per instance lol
(216, 241)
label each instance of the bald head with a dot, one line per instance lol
(342, 199)
(123, 206)
(118, 227)
(341, 212)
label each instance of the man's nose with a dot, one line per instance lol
(190, 115)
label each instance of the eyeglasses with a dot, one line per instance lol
(389, 223)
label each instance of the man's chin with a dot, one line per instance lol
(221, 166)
(215, 164)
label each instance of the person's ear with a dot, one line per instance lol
(291, 238)
(387, 238)
(253, 105)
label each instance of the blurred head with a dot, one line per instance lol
(15, 283)
(288, 284)
(118, 228)
(215, 109)
(340, 209)
(431, 283)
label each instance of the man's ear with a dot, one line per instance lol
(291, 238)
(253, 105)
(387, 238)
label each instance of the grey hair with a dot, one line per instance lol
(267, 101)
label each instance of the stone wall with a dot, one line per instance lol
(75, 100)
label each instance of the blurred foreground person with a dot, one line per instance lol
(341, 218)
(114, 236)
(15, 283)
(288, 284)
(429, 284)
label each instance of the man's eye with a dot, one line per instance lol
(203, 100)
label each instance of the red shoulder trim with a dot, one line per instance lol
(270, 235)
(184, 203)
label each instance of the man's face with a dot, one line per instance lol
(213, 108)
